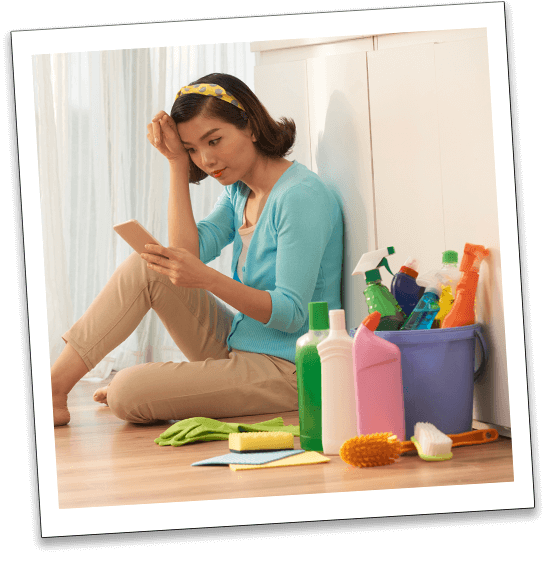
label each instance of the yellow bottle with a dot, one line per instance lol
(445, 303)
(450, 266)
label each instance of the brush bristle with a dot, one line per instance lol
(432, 441)
(380, 449)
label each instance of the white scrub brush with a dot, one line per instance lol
(431, 443)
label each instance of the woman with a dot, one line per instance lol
(288, 234)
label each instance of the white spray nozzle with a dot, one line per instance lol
(411, 263)
(434, 281)
(372, 260)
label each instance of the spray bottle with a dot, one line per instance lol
(425, 311)
(378, 297)
(339, 418)
(462, 312)
(404, 287)
(308, 372)
(378, 382)
(450, 268)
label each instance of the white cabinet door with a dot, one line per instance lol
(341, 156)
(470, 199)
(434, 176)
(406, 155)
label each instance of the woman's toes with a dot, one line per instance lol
(101, 395)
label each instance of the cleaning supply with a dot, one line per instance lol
(379, 449)
(463, 312)
(203, 429)
(404, 287)
(339, 416)
(254, 441)
(450, 268)
(383, 449)
(425, 311)
(445, 303)
(308, 373)
(377, 295)
(378, 382)
(431, 443)
(249, 458)
(306, 458)
(439, 368)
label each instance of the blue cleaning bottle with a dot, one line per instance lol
(404, 287)
(427, 308)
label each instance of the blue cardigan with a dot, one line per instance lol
(295, 254)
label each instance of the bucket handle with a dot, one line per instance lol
(481, 368)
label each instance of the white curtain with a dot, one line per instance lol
(97, 169)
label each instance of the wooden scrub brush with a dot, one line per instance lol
(382, 449)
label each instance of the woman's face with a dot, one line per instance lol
(219, 148)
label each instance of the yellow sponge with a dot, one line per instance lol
(252, 441)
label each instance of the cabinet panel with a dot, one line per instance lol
(406, 155)
(341, 156)
(434, 176)
(470, 198)
(289, 101)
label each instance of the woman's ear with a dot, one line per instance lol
(251, 132)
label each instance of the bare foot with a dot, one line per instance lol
(61, 415)
(101, 395)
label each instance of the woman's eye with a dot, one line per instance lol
(190, 150)
(214, 141)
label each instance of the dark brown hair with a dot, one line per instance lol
(274, 138)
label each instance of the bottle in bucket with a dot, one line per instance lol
(377, 296)
(425, 311)
(337, 385)
(378, 382)
(448, 294)
(463, 312)
(404, 287)
(308, 372)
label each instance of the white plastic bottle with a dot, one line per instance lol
(339, 412)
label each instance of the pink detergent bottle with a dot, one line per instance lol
(378, 382)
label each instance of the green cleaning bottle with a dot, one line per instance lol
(377, 296)
(308, 372)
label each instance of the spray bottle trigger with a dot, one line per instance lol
(385, 263)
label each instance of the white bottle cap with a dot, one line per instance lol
(337, 320)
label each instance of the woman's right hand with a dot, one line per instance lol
(163, 135)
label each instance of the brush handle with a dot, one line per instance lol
(480, 436)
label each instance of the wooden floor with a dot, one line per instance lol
(103, 461)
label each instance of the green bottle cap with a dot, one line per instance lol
(318, 316)
(373, 276)
(450, 256)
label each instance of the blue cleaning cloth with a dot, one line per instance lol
(253, 458)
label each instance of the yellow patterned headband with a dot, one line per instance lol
(211, 90)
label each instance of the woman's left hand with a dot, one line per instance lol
(181, 266)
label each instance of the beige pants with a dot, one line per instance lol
(214, 383)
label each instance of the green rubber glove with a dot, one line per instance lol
(203, 429)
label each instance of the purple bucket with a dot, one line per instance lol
(438, 370)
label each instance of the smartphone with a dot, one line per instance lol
(136, 235)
